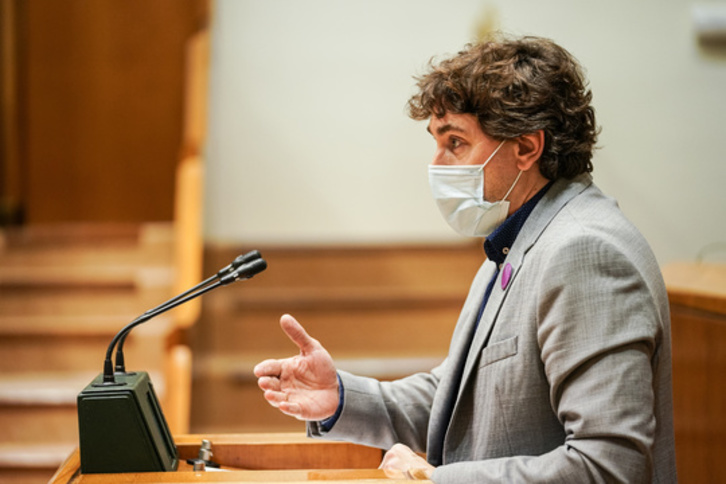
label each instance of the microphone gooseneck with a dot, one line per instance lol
(243, 267)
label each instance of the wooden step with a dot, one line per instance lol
(31, 456)
(39, 423)
(79, 275)
(75, 344)
(43, 388)
(92, 234)
(124, 304)
(37, 408)
(65, 291)
(31, 463)
(84, 256)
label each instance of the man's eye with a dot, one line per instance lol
(454, 143)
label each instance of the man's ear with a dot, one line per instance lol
(529, 149)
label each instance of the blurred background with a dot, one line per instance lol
(146, 143)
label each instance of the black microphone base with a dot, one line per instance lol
(122, 428)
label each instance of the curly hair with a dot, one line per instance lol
(516, 87)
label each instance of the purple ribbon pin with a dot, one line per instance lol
(506, 275)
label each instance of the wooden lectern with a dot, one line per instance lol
(290, 458)
(697, 294)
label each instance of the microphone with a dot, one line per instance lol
(239, 261)
(120, 422)
(239, 264)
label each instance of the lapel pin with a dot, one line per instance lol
(506, 275)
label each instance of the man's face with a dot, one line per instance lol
(460, 141)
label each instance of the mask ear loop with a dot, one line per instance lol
(513, 185)
(493, 153)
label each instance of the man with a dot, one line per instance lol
(559, 366)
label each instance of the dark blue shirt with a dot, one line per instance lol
(497, 245)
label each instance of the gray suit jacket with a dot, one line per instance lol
(568, 376)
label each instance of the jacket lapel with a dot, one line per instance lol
(443, 404)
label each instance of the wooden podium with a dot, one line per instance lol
(290, 458)
(697, 294)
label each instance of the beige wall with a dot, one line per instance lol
(309, 142)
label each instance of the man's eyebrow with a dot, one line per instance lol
(445, 128)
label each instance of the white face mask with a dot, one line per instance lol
(459, 193)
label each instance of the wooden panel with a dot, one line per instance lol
(366, 305)
(701, 286)
(10, 166)
(286, 458)
(445, 270)
(699, 388)
(102, 107)
(411, 330)
(698, 324)
(222, 404)
(267, 451)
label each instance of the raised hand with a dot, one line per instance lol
(303, 386)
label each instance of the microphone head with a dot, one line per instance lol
(251, 268)
(245, 272)
(245, 258)
(238, 262)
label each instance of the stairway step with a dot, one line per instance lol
(89, 301)
(36, 424)
(38, 408)
(43, 388)
(51, 388)
(34, 456)
(33, 351)
(75, 325)
(92, 234)
(62, 325)
(83, 255)
(96, 275)
(31, 463)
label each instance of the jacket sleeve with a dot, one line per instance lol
(380, 414)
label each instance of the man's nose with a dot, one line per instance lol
(438, 158)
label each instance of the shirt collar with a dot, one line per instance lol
(497, 245)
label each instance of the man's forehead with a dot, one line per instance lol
(461, 123)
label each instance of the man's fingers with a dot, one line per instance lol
(275, 397)
(268, 368)
(297, 334)
(402, 458)
(279, 400)
(292, 409)
(269, 383)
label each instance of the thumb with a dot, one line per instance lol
(297, 334)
